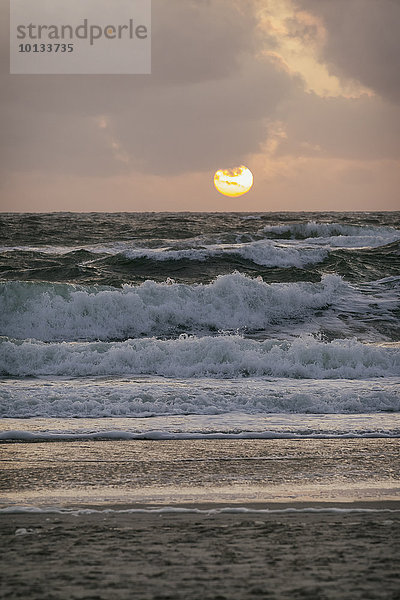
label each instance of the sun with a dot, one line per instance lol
(233, 182)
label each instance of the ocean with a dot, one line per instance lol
(162, 332)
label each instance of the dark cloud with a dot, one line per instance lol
(200, 127)
(203, 106)
(363, 41)
(199, 40)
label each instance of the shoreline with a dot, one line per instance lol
(210, 507)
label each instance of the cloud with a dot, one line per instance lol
(311, 183)
(363, 41)
(366, 128)
(203, 126)
(199, 40)
(204, 106)
(294, 40)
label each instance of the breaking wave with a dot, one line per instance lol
(263, 252)
(335, 234)
(52, 312)
(143, 397)
(219, 356)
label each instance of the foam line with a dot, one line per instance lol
(194, 511)
(28, 436)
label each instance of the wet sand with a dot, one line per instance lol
(198, 471)
(315, 555)
(204, 553)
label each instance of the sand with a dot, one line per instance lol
(198, 471)
(273, 555)
(209, 554)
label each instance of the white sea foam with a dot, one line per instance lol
(15, 509)
(353, 242)
(220, 356)
(143, 397)
(262, 252)
(336, 234)
(52, 312)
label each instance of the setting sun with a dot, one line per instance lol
(233, 182)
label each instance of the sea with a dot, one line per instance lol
(134, 340)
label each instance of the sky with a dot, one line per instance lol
(305, 93)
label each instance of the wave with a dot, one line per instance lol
(199, 266)
(264, 253)
(159, 397)
(286, 252)
(365, 264)
(334, 233)
(261, 252)
(259, 245)
(220, 356)
(53, 312)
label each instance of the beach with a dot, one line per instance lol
(169, 472)
(343, 555)
(200, 406)
(200, 519)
